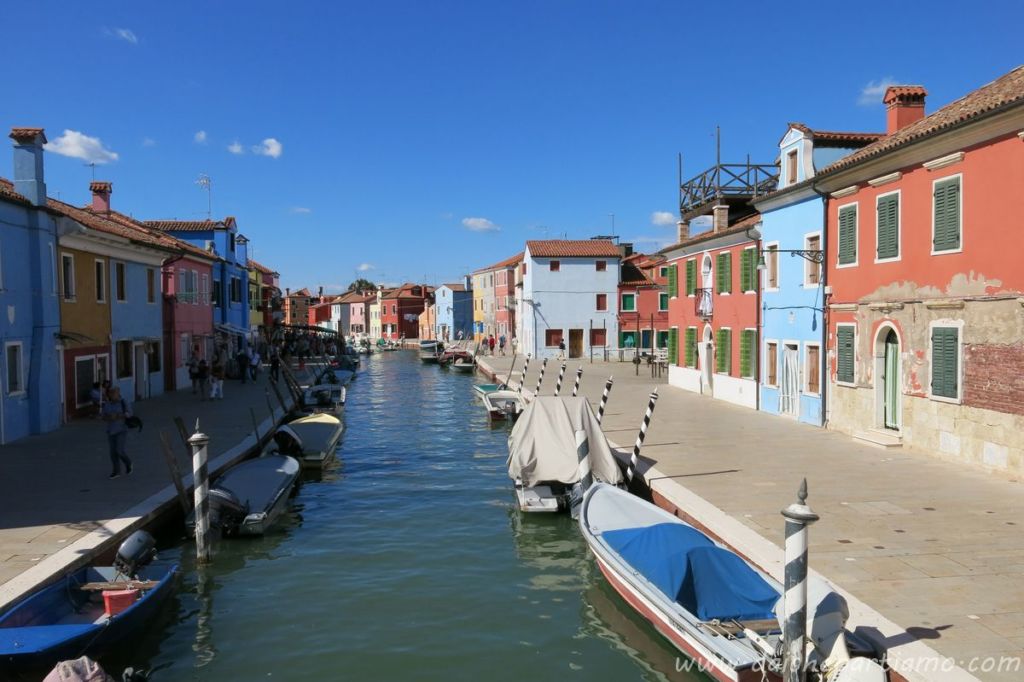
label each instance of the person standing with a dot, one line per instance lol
(490, 343)
(217, 379)
(203, 374)
(275, 364)
(501, 343)
(254, 365)
(242, 359)
(114, 412)
(193, 370)
(561, 349)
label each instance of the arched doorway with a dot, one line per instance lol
(705, 358)
(888, 384)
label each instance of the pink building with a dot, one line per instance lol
(188, 313)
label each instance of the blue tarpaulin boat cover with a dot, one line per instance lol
(706, 580)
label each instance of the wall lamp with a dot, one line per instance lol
(811, 255)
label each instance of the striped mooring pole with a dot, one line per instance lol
(558, 384)
(604, 398)
(522, 378)
(200, 478)
(586, 479)
(631, 469)
(540, 379)
(794, 634)
(579, 375)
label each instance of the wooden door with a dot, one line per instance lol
(575, 343)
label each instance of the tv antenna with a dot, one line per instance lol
(92, 165)
(206, 183)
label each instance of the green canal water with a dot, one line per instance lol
(408, 561)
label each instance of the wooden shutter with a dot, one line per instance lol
(746, 281)
(723, 351)
(813, 369)
(673, 346)
(848, 235)
(746, 353)
(888, 226)
(945, 362)
(691, 277)
(947, 215)
(691, 347)
(673, 281)
(724, 276)
(844, 353)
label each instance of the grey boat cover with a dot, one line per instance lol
(258, 482)
(542, 445)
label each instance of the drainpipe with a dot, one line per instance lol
(758, 323)
(825, 384)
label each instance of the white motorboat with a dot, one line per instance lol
(503, 405)
(325, 398)
(312, 439)
(250, 496)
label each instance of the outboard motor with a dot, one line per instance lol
(134, 553)
(227, 510)
(288, 442)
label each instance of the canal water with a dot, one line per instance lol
(408, 561)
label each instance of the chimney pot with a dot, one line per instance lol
(683, 230)
(28, 164)
(101, 195)
(904, 105)
(721, 218)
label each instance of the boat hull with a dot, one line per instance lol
(540, 499)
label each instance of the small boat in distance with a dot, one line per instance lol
(463, 365)
(503, 405)
(429, 351)
(328, 398)
(311, 439)
(250, 496)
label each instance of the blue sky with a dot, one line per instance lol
(426, 139)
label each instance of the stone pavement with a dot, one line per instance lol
(55, 490)
(936, 548)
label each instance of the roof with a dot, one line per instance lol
(7, 192)
(835, 138)
(572, 248)
(739, 226)
(632, 276)
(165, 239)
(262, 268)
(303, 292)
(26, 134)
(1005, 91)
(193, 225)
(512, 261)
(455, 287)
(405, 291)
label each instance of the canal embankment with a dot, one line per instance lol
(929, 554)
(61, 511)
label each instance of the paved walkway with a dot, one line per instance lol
(935, 547)
(55, 487)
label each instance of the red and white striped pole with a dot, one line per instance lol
(631, 470)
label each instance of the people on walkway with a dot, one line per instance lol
(115, 411)
(275, 364)
(96, 398)
(217, 380)
(203, 377)
(193, 370)
(490, 343)
(242, 359)
(501, 343)
(561, 349)
(254, 365)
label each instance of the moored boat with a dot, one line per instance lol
(328, 398)
(463, 365)
(332, 376)
(250, 496)
(311, 439)
(503, 405)
(429, 351)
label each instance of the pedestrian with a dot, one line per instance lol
(243, 363)
(115, 411)
(254, 365)
(203, 377)
(501, 344)
(561, 349)
(193, 370)
(275, 364)
(217, 380)
(96, 398)
(490, 343)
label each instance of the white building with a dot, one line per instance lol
(569, 292)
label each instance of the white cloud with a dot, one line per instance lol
(125, 34)
(148, 142)
(269, 147)
(366, 267)
(871, 93)
(301, 209)
(80, 146)
(200, 137)
(236, 148)
(663, 219)
(479, 225)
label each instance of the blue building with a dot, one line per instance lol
(792, 354)
(30, 325)
(453, 304)
(230, 273)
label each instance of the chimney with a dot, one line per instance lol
(683, 230)
(721, 218)
(100, 196)
(320, 294)
(28, 164)
(905, 105)
(287, 291)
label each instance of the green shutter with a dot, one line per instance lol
(945, 361)
(673, 281)
(724, 275)
(947, 215)
(844, 354)
(691, 277)
(673, 347)
(745, 278)
(746, 348)
(691, 347)
(663, 301)
(848, 235)
(723, 351)
(888, 226)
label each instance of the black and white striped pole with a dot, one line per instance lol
(631, 469)
(540, 379)
(558, 384)
(604, 399)
(794, 635)
(201, 491)
(579, 375)
(586, 479)
(522, 378)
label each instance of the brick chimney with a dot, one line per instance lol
(683, 230)
(28, 164)
(101, 195)
(904, 104)
(721, 218)
(320, 294)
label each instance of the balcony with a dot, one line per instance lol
(703, 303)
(725, 181)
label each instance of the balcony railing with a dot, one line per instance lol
(703, 304)
(194, 297)
(727, 180)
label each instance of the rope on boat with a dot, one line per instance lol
(579, 375)
(631, 470)
(604, 398)
(558, 384)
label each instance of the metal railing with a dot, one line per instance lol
(703, 303)
(725, 180)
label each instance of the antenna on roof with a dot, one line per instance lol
(206, 183)
(91, 164)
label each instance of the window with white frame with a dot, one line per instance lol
(771, 261)
(771, 363)
(946, 362)
(812, 269)
(846, 354)
(812, 368)
(628, 303)
(15, 370)
(67, 276)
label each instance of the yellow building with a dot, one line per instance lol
(479, 281)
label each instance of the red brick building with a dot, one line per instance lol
(400, 310)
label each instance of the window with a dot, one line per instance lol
(724, 265)
(723, 351)
(627, 339)
(602, 302)
(748, 342)
(554, 265)
(236, 290)
(771, 260)
(193, 286)
(673, 345)
(15, 374)
(552, 337)
(748, 269)
(67, 276)
(120, 284)
(673, 281)
(771, 364)
(123, 349)
(217, 294)
(663, 271)
(628, 303)
(887, 223)
(845, 360)
(53, 272)
(394, 309)
(662, 340)
(150, 285)
(153, 354)
(691, 277)
(184, 352)
(690, 348)
(205, 291)
(101, 281)
(812, 371)
(812, 270)
(524, 268)
(231, 242)
(946, 362)
(848, 235)
(598, 337)
(946, 215)
(662, 302)
(601, 265)
(791, 167)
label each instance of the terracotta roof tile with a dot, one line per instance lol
(835, 138)
(737, 227)
(631, 275)
(7, 192)
(262, 268)
(455, 287)
(27, 134)
(510, 262)
(303, 292)
(1005, 91)
(572, 248)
